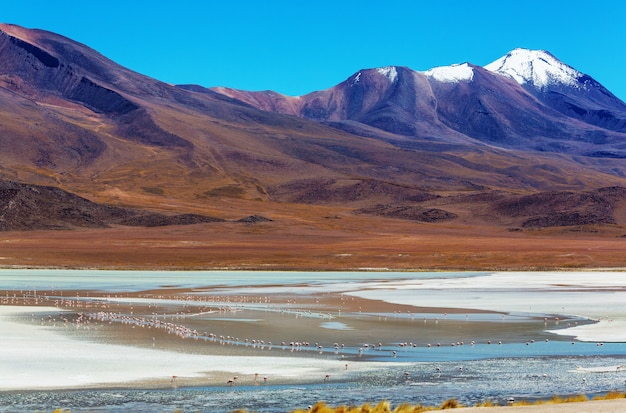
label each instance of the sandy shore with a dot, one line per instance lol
(596, 406)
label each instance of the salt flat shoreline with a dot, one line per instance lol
(574, 293)
(25, 347)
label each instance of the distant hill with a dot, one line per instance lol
(31, 207)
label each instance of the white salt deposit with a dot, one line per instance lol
(594, 295)
(601, 369)
(37, 357)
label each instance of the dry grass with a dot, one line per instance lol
(382, 407)
(486, 403)
(577, 398)
(612, 395)
(569, 399)
(386, 407)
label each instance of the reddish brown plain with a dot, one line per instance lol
(313, 240)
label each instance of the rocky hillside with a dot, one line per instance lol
(31, 207)
(88, 143)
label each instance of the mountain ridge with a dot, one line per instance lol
(551, 99)
(388, 142)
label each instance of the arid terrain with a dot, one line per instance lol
(102, 167)
(294, 243)
(456, 168)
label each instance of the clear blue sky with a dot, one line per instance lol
(295, 47)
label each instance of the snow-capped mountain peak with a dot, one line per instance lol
(451, 74)
(535, 67)
(389, 72)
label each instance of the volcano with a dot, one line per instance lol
(525, 145)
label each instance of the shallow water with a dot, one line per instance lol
(479, 380)
(117, 281)
(532, 361)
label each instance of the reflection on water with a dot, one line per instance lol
(335, 325)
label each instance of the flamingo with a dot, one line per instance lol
(232, 381)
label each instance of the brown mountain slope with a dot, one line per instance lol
(92, 123)
(73, 120)
(30, 207)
